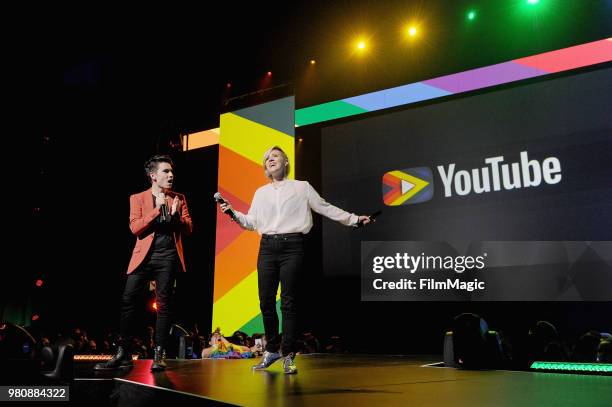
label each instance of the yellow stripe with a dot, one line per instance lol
(238, 306)
(418, 183)
(251, 140)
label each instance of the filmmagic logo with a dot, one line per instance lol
(404, 262)
(409, 186)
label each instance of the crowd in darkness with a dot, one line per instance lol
(143, 346)
(541, 343)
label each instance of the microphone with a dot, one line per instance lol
(164, 215)
(219, 199)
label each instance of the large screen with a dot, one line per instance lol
(521, 174)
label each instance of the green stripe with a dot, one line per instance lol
(255, 325)
(326, 111)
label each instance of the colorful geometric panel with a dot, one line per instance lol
(272, 114)
(484, 77)
(250, 139)
(326, 111)
(523, 68)
(245, 135)
(201, 139)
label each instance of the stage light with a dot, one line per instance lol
(180, 343)
(573, 367)
(228, 85)
(532, 2)
(361, 45)
(154, 305)
(412, 31)
(471, 15)
(269, 73)
(471, 345)
(58, 361)
(35, 317)
(39, 283)
(97, 358)
(312, 62)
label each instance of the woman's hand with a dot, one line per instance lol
(226, 207)
(364, 219)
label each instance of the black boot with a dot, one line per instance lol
(159, 360)
(122, 359)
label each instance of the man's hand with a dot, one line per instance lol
(160, 200)
(175, 204)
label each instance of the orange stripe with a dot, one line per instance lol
(239, 175)
(391, 180)
(392, 196)
(235, 263)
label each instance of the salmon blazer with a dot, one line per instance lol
(143, 215)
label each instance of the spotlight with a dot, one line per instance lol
(58, 361)
(269, 73)
(228, 85)
(532, 2)
(312, 62)
(180, 344)
(471, 345)
(16, 342)
(18, 355)
(39, 283)
(471, 15)
(412, 31)
(361, 45)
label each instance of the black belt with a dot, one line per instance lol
(281, 236)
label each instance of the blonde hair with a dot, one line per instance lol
(286, 168)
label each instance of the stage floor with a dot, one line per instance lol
(333, 380)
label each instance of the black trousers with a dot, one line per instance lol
(280, 260)
(164, 274)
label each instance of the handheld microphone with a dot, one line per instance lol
(219, 199)
(372, 219)
(164, 216)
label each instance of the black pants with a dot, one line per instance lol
(280, 260)
(164, 273)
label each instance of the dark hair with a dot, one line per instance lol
(152, 163)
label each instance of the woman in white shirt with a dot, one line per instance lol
(281, 213)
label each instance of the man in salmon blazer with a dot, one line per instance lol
(158, 218)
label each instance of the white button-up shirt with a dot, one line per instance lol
(284, 207)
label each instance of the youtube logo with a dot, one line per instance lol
(408, 186)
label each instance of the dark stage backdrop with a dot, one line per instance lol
(567, 117)
(84, 243)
